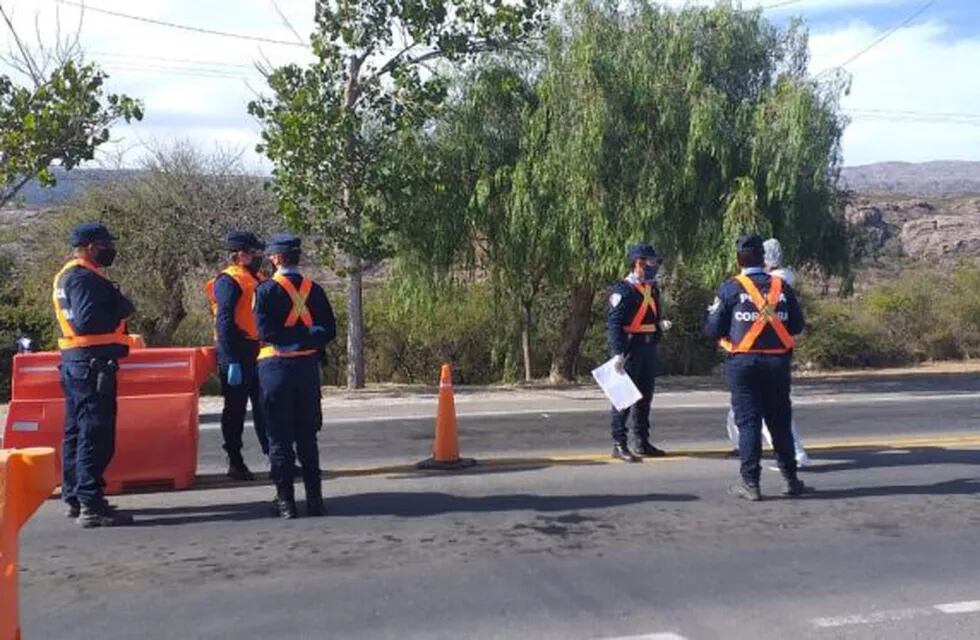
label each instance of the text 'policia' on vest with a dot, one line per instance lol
(753, 314)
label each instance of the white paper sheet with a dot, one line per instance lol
(618, 387)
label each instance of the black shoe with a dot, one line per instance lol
(239, 471)
(744, 491)
(314, 499)
(91, 518)
(795, 488)
(622, 452)
(285, 508)
(646, 450)
(72, 509)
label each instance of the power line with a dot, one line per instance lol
(184, 27)
(874, 43)
(99, 55)
(779, 5)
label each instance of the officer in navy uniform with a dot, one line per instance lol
(295, 324)
(91, 313)
(754, 318)
(232, 297)
(634, 325)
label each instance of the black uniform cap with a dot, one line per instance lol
(283, 243)
(638, 251)
(89, 232)
(243, 241)
(749, 242)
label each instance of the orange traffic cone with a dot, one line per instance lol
(445, 449)
(27, 478)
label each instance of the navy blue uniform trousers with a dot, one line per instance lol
(760, 386)
(236, 404)
(89, 440)
(290, 393)
(641, 365)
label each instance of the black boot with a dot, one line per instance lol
(746, 491)
(100, 515)
(622, 452)
(285, 502)
(795, 488)
(314, 499)
(238, 470)
(646, 450)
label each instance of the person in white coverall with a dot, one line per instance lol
(774, 265)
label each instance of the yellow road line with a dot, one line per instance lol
(603, 458)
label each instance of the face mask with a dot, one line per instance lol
(105, 256)
(255, 264)
(650, 273)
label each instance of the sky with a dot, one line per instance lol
(915, 96)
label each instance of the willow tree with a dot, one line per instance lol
(684, 127)
(330, 127)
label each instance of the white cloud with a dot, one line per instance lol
(918, 69)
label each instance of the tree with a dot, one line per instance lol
(685, 127)
(329, 128)
(60, 115)
(169, 217)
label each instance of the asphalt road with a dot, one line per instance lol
(385, 431)
(887, 546)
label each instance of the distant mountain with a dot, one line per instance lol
(924, 179)
(71, 184)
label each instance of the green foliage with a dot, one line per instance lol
(925, 314)
(61, 119)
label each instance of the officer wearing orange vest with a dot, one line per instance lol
(236, 336)
(91, 314)
(295, 324)
(754, 318)
(634, 325)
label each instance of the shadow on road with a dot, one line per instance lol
(889, 457)
(418, 504)
(961, 486)
(199, 514)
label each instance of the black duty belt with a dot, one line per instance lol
(642, 338)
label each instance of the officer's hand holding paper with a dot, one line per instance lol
(617, 385)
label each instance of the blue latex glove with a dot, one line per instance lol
(316, 330)
(234, 374)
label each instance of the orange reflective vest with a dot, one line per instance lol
(766, 308)
(299, 313)
(63, 312)
(648, 304)
(244, 315)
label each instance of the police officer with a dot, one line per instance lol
(754, 318)
(91, 314)
(236, 335)
(634, 325)
(773, 258)
(295, 323)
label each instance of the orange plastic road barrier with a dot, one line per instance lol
(27, 477)
(156, 429)
(445, 449)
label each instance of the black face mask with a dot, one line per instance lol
(105, 256)
(255, 264)
(650, 273)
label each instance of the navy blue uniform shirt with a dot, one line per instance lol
(97, 306)
(621, 307)
(727, 314)
(273, 305)
(231, 343)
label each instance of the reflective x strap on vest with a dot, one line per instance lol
(299, 311)
(766, 307)
(637, 326)
(71, 339)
